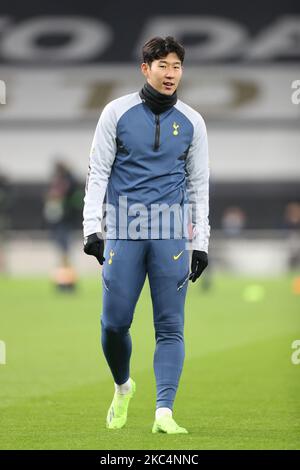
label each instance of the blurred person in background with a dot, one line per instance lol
(4, 218)
(62, 207)
(292, 225)
(233, 221)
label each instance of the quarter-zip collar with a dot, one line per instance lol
(157, 102)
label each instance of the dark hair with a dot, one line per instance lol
(157, 48)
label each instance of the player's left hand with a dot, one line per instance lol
(199, 263)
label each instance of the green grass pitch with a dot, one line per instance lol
(239, 388)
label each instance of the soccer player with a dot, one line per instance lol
(149, 150)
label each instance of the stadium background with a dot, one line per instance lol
(61, 63)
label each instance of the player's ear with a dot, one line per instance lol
(144, 69)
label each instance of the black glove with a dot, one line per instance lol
(199, 263)
(94, 245)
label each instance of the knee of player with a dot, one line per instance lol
(116, 329)
(166, 329)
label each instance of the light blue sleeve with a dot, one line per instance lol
(101, 160)
(197, 168)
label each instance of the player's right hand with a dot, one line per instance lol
(94, 245)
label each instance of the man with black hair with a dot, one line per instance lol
(149, 151)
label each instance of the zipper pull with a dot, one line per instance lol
(157, 132)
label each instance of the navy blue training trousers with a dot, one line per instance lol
(127, 262)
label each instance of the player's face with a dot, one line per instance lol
(164, 74)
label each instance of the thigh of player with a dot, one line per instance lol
(168, 270)
(123, 276)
